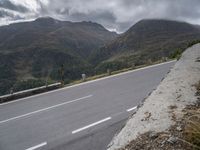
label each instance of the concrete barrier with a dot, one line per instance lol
(29, 92)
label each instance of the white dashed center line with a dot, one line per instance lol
(37, 146)
(91, 125)
(131, 109)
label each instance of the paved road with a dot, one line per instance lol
(81, 117)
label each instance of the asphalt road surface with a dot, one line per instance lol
(80, 117)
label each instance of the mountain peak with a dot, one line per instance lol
(157, 25)
(44, 18)
(94, 24)
(47, 20)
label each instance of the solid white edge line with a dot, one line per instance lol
(119, 74)
(44, 109)
(131, 109)
(91, 125)
(37, 146)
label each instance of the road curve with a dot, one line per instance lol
(84, 116)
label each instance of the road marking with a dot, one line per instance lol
(44, 109)
(88, 82)
(37, 146)
(131, 109)
(91, 125)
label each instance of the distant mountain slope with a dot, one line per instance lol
(148, 39)
(79, 38)
(36, 49)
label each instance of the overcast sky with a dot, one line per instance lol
(117, 15)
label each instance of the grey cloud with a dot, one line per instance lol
(9, 5)
(5, 14)
(113, 14)
(186, 9)
(104, 17)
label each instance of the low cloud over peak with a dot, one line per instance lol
(117, 15)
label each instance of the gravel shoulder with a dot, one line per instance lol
(163, 109)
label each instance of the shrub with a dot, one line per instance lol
(192, 130)
(193, 43)
(176, 54)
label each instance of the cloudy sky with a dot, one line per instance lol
(117, 15)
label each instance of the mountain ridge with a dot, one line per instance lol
(148, 39)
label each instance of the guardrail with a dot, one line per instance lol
(29, 92)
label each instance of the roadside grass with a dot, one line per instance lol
(198, 89)
(192, 127)
(192, 130)
(178, 51)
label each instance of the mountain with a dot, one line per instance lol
(80, 38)
(32, 51)
(36, 49)
(148, 39)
